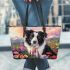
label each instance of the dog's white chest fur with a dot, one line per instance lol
(39, 50)
(35, 42)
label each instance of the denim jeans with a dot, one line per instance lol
(33, 19)
(31, 64)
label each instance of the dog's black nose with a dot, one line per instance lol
(34, 42)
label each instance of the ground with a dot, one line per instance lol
(61, 63)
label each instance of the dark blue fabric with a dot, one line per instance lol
(42, 64)
(33, 19)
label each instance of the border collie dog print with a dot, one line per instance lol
(35, 43)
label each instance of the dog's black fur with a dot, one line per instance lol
(28, 35)
(40, 37)
(48, 49)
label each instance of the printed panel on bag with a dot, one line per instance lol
(35, 43)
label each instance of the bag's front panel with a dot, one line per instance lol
(35, 43)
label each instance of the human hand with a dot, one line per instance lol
(28, 1)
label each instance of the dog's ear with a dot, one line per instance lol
(28, 33)
(43, 34)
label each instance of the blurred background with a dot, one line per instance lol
(59, 15)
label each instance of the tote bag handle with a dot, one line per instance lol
(40, 13)
(26, 19)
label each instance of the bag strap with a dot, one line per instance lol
(26, 19)
(40, 12)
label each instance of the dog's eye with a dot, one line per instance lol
(38, 36)
(32, 35)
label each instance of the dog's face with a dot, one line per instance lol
(35, 38)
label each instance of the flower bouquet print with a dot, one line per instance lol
(34, 43)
